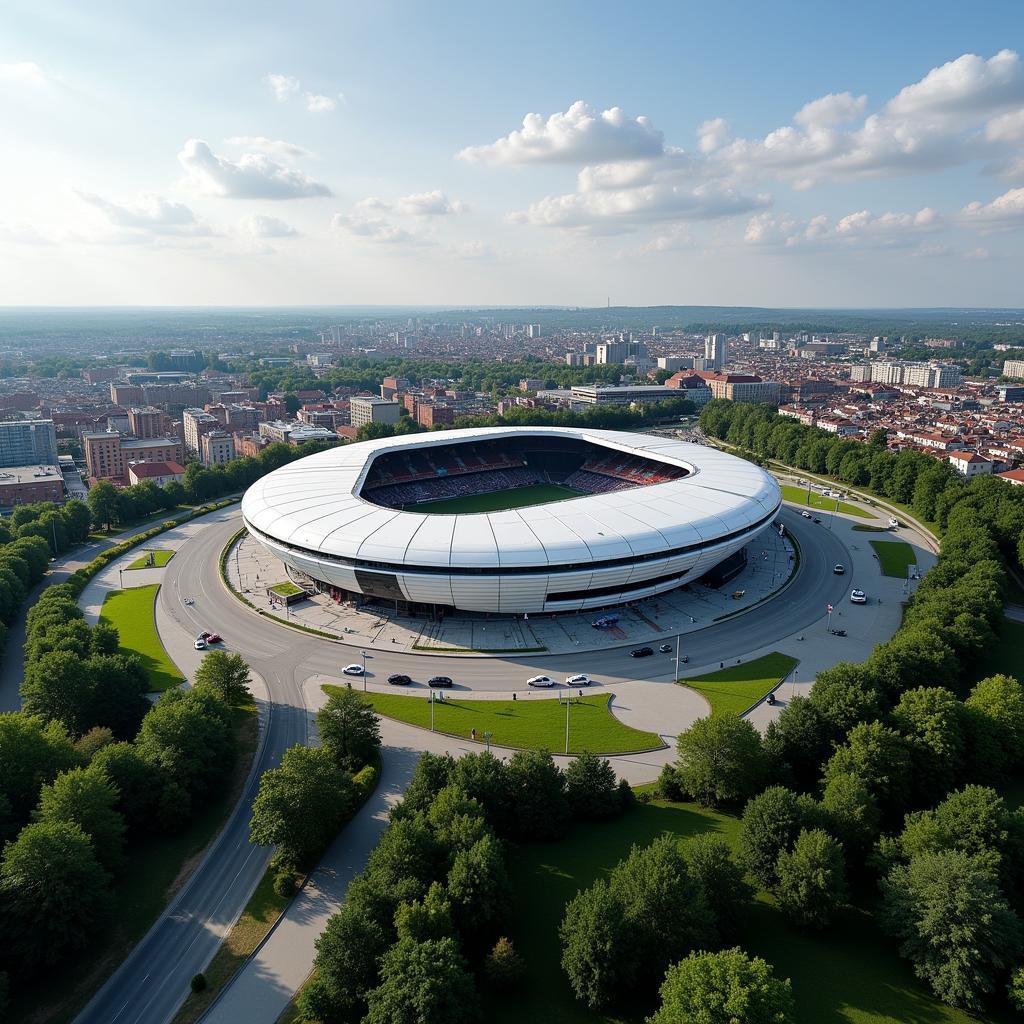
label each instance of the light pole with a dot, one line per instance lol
(363, 655)
(828, 621)
(120, 579)
(568, 701)
(679, 638)
(431, 710)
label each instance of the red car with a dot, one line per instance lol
(214, 638)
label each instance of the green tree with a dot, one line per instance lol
(1000, 699)
(845, 695)
(539, 803)
(406, 860)
(478, 887)
(428, 918)
(53, 894)
(811, 879)
(931, 719)
(726, 892)
(852, 813)
(798, 741)
(953, 924)
(458, 820)
(86, 797)
(591, 788)
(594, 939)
(32, 753)
(880, 758)
(724, 988)
(349, 729)
(139, 784)
(720, 759)
(423, 983)
(227, 675)
(102, 500)
(504, 968)
(59, 687)
(771, 821)
(301, 805)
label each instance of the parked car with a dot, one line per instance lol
(839, 570)
(641, 652)
(858, 597)
(200, 644)
(665, 648)
(442, 682)
(805, 513)
(581, 679)
(544, 681)
(203, 636)
(214, 638)
(354, 669)
(399, 679)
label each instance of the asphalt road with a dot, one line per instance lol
(152, 982)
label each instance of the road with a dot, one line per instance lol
(150, 985)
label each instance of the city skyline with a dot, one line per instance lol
(411, 156)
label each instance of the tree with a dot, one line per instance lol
(504, 968)
(594, 940)
(429, 918)
(1000, 699)
(724, 988)
(845, 695)
(227, 675)
(102, 500)
(538, 798)
(139, 784)
(92, 742)
(32, 753)
(931, 719)
(118, 698)
(852, 813)
(811, 879)
(406, 860)
(86, 797)
(720, 759)
(301, 805)
(422, 983)
(349, 729)
(771, 821)
(726, 892)
(799, 740)
(58, 687)
(591, 788)
(488, 779)
(53, 894)
(879, 757)
(478, 887)
(458, 820)
(953, 924)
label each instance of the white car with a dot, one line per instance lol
(805, 514)
(858, 597)
(200, 644)
(578, 680)
(353, 670)
(540, 681)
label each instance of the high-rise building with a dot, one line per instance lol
(127, 394)
(27, 443)
(145, 422)
(108, 455)
(372, 410)
(216, 448)
(196, 423)
(715, 350)
(533, 330)
(611, 352)
(1014, 368)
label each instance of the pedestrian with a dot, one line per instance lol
(472, 735)
(513, 695)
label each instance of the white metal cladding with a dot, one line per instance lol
(311, 514)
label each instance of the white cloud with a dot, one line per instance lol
(318, 104)
(284, 86)
(23, 71)
(1004, 211)
(1006, 127)
(580, 135)
(258, 225)
(252, 176)
(828, 111)
(419, 204)
(713, 134)
(860, 230)
(274, 147)
(23, 234)
(376, 229)
(149, 213)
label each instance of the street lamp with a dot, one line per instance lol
(679, 638)
(363, 655)
(120, 579)
(568, 701)
(431, 710)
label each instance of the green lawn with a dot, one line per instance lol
(160, 559)
(533, 722)
(497, 501)
(798, 496)
(286, 589)
(131, 612)
(894, 556)
(732, 690)
(849, 975)
(864, 528)
(1006, 655)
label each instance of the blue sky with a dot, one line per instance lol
(733, 153)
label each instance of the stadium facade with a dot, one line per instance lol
(638, 515)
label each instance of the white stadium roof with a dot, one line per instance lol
(314, 504)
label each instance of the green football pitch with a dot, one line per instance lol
(497, 501)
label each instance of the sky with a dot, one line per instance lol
(456, 153)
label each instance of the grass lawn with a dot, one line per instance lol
(732, 690)
(1006, 655)
(153, 872)
(798, 496)
(849, 975)
(497, 501)
(1014, 591)
(894, 556)
(533, 723)
(131, 612)
(160, 559)
(286, 589)
(864, 528)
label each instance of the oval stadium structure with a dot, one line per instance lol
(510, 519)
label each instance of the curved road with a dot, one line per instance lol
(152, 982)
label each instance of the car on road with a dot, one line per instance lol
(203, 636)
(641, 652)
(805, 514)
(858, 597)
(816, 519)
(894, 523)
(354, 669)
(839, 570)
(399, 679)
(580, 679)
(441, 682)
(665, 648)
(200, 644)
(214, 638)
(544, 681)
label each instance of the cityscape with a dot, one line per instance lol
(512, 514)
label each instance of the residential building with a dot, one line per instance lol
(146, 422)
(159, 473)
(216, 447)
(430, 416)
(1014, 476)
(295, 433)
(675, 363)
(108, 455)
(690, 386)
(391, 386)
(532, 384)
(742, 387)
(970, 464)
(127, 394)
(715, 346)
(27, 443)
(21, 485)
(1014, 368)
(365, 410)
(198, 422)
(1010, 392)
(614, 394)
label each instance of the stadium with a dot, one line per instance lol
(509, 519)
